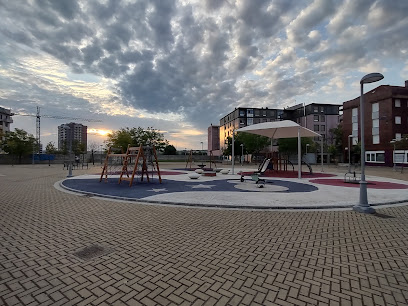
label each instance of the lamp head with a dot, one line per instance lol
(371, 78)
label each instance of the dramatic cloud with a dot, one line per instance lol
(181, 65)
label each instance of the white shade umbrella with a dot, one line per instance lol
(278, 129)
(281, 129)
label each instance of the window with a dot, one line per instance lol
(397, 103)
(354, 120)
(264, 113)
(375, 131)
(257, 112)
(241, 113)
(321, 109)
(316, 128)
(322, 118)
(400, 157)
(316, 109)
(316, 118)
(376, 139)
(398, 136)
(397, 119)
(250, 112)
(322, 128)
(250, 121)
(375, 156)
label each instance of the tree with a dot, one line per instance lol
(64, 147)
(78, 147)
(170, 150)
(19, 143)
(50, 148)
(252, 143)
(402, 144)
(290, 145)
(228, 149)
(136, 137)
(336, 135)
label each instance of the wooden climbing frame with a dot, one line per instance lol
(139, 156)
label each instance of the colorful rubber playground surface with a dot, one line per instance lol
(282, 190)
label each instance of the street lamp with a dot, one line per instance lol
(363, 205)
(69, 151)
(349, 151)
(242, 154)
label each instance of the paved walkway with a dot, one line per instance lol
(174, 255)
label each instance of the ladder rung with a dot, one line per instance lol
(126, 178)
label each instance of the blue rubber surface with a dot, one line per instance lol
(140, 190)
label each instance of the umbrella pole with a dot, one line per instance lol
(299, 157)
(321, 156)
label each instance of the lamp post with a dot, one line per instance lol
(70, 152)
(202, 148)
(349, 151)
(242, 154)
(363, 205)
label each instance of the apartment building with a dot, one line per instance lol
(5, 120)
(320, 118)
(72, 132)
(385, 119)
(243, 116)
(214, 140)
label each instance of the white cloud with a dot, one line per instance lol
(370, 66)
(190, 62)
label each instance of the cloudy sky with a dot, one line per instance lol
(179, 66)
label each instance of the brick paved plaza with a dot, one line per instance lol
(161, 255)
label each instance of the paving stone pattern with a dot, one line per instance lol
(187, 256)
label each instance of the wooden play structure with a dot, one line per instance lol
(279, 161)
(138, 157)
(190, 161)
(212, 160)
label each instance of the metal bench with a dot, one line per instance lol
(352, 177)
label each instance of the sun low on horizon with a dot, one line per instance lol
(99, 132)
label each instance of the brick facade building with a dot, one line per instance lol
(385, 119)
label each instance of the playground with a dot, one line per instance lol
(137, 177)
(276, 183)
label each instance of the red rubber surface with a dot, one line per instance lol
(371, 184)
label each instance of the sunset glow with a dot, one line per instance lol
(99, 132)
